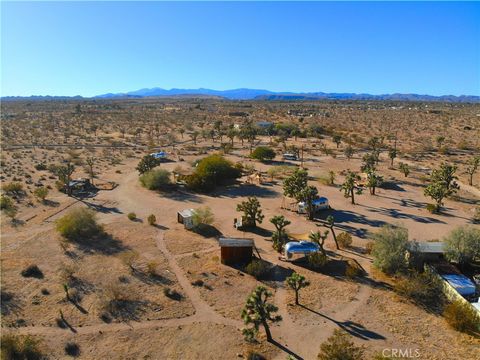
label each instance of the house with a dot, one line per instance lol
(235, 250)
(319, 204)
(295, 250)
(185, 217)
(78, 186)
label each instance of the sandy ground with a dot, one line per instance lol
(206, 323)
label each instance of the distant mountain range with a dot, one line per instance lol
(255, 94)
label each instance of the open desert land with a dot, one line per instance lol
(160, 291)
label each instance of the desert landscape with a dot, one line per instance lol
(96, 264)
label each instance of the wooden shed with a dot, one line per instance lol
(235, 250)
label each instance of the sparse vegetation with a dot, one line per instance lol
(79, 225)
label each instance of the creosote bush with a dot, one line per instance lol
(256, 268)
(157, 179)
(317, 260)
(339, 346)
(20, 347)
(152, 220)
(462, 317)
(344, 240)
(131, 216)
(79, 224)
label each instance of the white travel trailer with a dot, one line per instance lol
(319, 204)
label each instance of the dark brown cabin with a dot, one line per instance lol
(236, 251)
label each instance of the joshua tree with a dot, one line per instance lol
(231, 134)
(330, 223)
(331, 177)
(392, 154)
(252, 211)
(405, 169)
(349, 187)
(90, 162)
(349, 152)
(64, 174)
(373, 181)
(294, 184)
(194, 136)
(318, 238)
(181, 131)
(308, 196)
(297, 282)
(337, 139)
(440, 140)
(279, 236)
(369, 161)
(472, 168)
(258, 311)
(446, 175)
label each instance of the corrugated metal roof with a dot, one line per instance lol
(235, 242)
(186, 213)
(437, 247)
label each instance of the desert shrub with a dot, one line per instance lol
(255, 356)
(352, 270)
(155, 179)
(20, 347)
(198, 282)
(152, 220)
(172, 294)
(32, 271)
(263, 153)
(79, 224)
(424, 289)
(120, 301)
(369, 247)
(431, 208)
(476, 215)
(462, 317)
(317, 260)
(257, 268)
(152, 268)
(13, 188)
(211, 171)
(8, 206)
(202, 216)
(462, 244)
(344, 239)
(339, 346)
(131, 216)
(389, 249)
(40, 166)
(41, 193)
(72, 349)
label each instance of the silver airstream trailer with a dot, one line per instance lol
(295, 250)
(318, 204)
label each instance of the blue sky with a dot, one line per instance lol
(90, 48)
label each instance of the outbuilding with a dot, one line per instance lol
(185, 217)
(320, 203)
(235, 250)
(295, 250)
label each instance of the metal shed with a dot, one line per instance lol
(235, 250)
(185, 217)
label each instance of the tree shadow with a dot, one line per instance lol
(465, 200)
(242, 190)
(353, 328)
(285, 349)
(152, 279)
(101, 208)
(50, 203)
(104, 244)
(179, 195)
(161, 227)
(393, 213)
(391, 185)
(64, 324)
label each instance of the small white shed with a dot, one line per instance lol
(185, 217)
